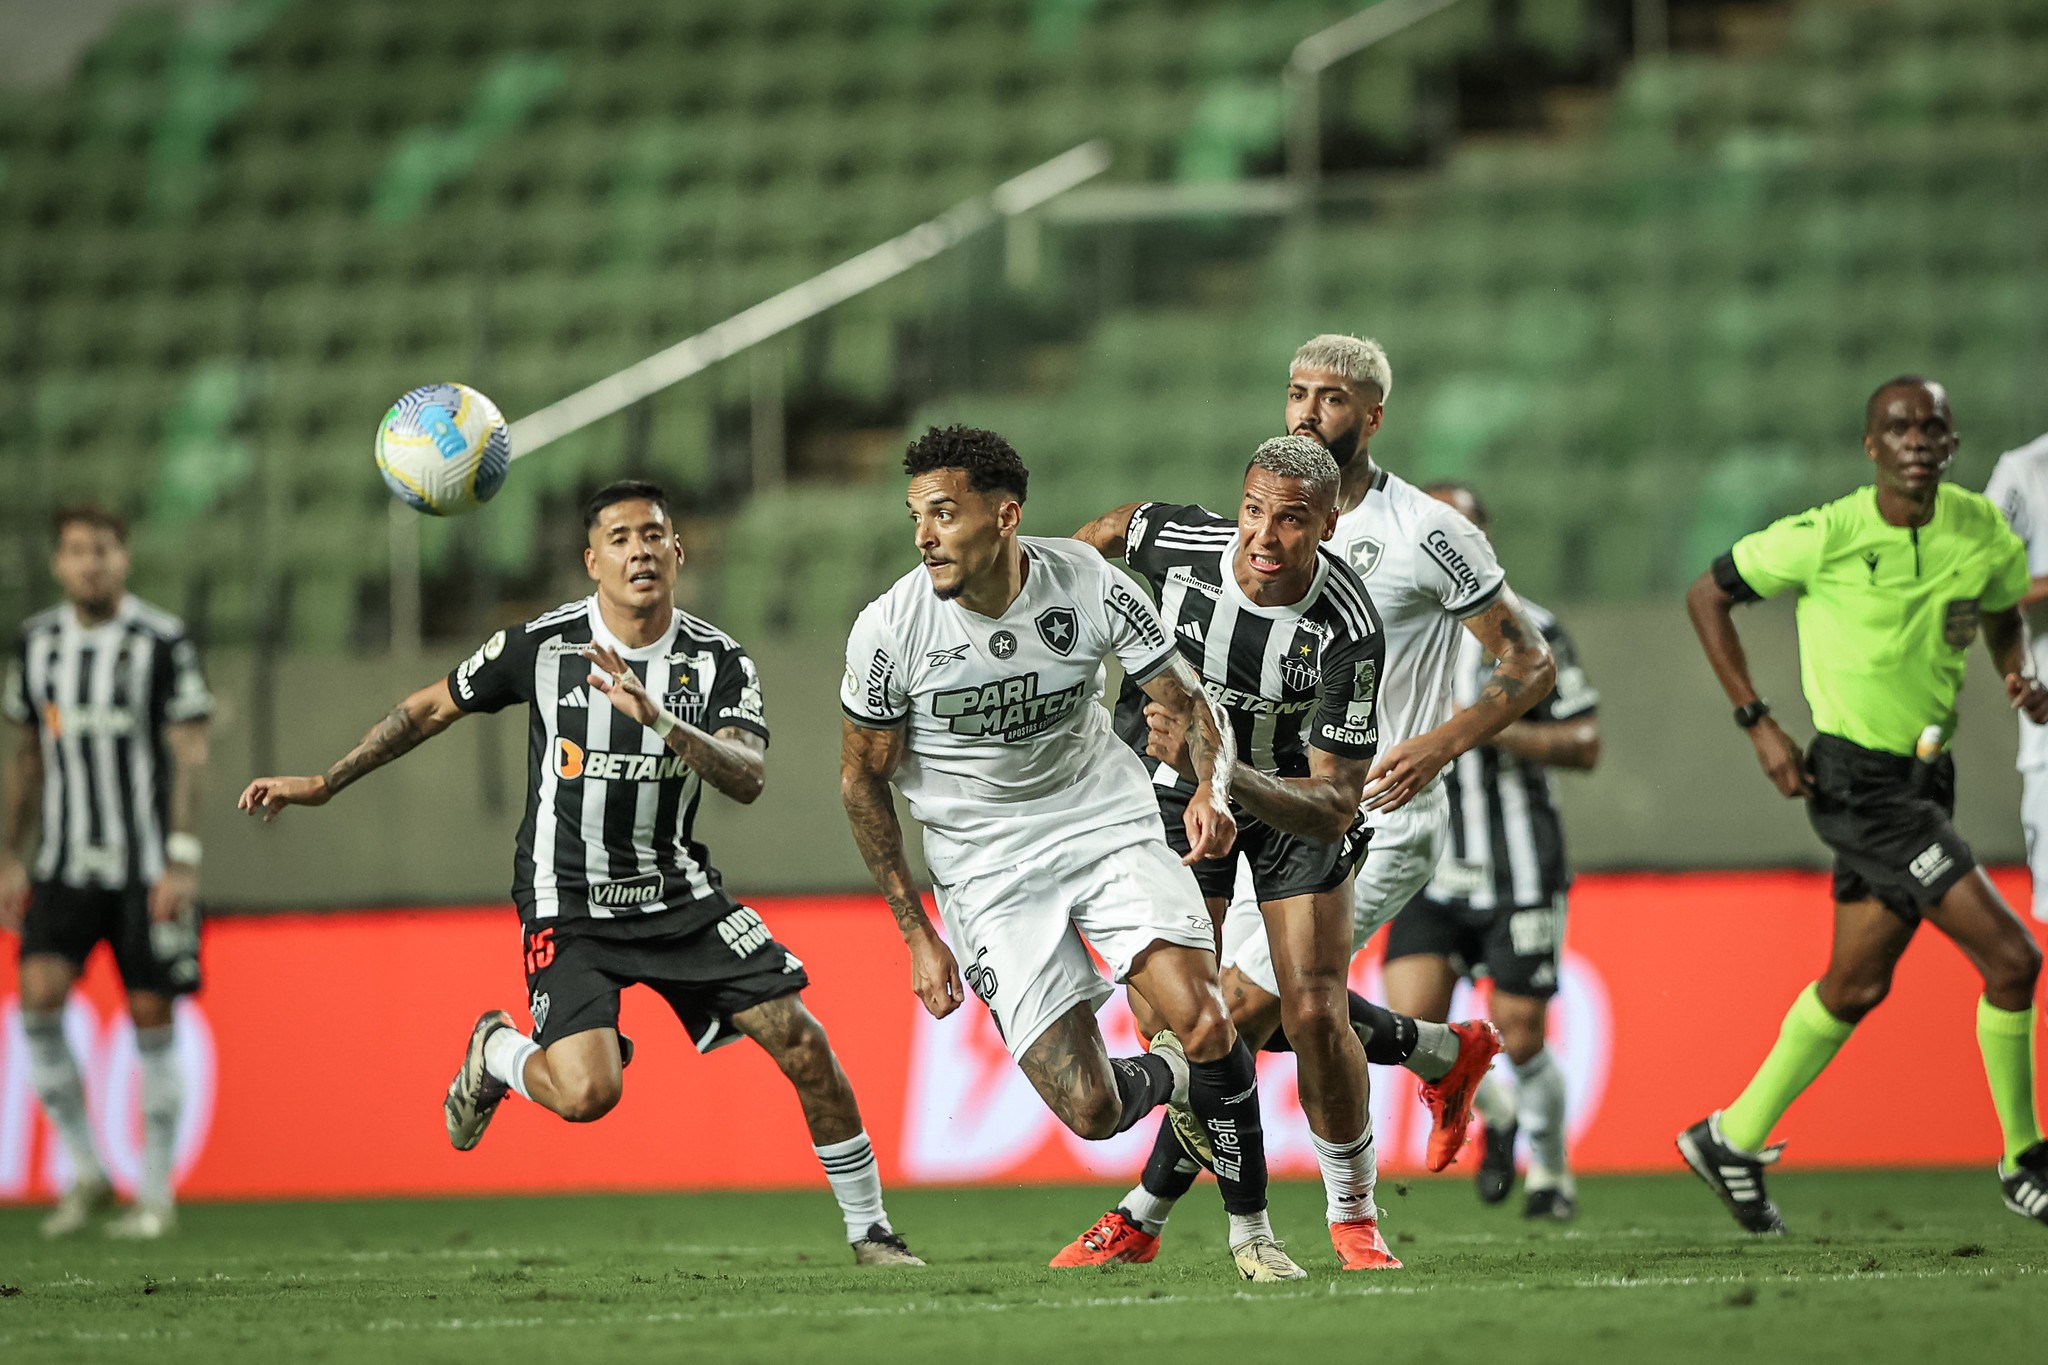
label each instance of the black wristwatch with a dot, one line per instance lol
(1748, 716)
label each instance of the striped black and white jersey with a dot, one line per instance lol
(1507, 844)
(98, 699)
(609, 809)
(1289, 677)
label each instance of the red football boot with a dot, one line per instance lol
(1360, 1246)
(1450, 1099)
(1113, 1238)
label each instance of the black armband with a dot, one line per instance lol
(1730, 580)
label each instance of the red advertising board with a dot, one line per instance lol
(318, 1053)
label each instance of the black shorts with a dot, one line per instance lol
(576, 968)
(1888, 819)
(1282, 865)
(70, 921)
(1517, 948)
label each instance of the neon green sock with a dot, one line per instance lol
(1807, 1041)
(2006, 1038)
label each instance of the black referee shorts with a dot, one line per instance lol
(576, 968)
(1888, 819)
(1283, 865)
(70, 921)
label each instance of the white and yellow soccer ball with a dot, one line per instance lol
(444, 449)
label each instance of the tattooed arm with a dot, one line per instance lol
(178, 887)
(1211, 752)
(1109, 532)
(868, 758)
(734, 760)
(412, 722)
(1523, 676)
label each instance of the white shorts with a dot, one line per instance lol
(2034, 822)
(1398, 863)
(1022, 935)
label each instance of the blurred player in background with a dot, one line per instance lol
(1287, 644)
(1432, 577)
(635, 707)
(1495, 908)
(971, 686)
(2019, 485)
(112, 714)
(1893, 582)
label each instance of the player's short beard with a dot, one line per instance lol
(1344, 449)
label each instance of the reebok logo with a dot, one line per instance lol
(1930, 864)
(575, 697)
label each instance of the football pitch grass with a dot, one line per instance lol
(1880, 1267)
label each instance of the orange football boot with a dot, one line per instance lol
(1113, 1238)
(1360, 1246)
(1450, 1099)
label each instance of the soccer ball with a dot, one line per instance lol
(444, 449)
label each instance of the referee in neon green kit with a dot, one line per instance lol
(1894, 581)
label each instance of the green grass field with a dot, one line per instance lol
(1882, 1267)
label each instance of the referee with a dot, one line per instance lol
(1893, 581)
(111, 709)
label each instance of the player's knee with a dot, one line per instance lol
(1209, 1035)
(805, 1056)
(587, 1099)
(1314, 1020)
(1850, 998)
(2012, 970)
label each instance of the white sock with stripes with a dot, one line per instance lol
(505, 1054)
(1350, 1170)
(1541, 1087)
(856, 1183)
(54, 1073)
(163, 1095)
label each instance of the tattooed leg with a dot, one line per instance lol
(1094, 1094)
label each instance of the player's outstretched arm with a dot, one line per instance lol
(1523, 674)
(868, 758)
(734, 761)
(2006, 640)
(1211, 753)
(1713, 619)
(19, 819)
(1320, 806)
(1573, 743)
(1110, 532)
(412, 722)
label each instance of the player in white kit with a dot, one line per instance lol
(2019, 485)
(971, 685)
(1430, 573)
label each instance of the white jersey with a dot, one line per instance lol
(2019, 485)
(1008, 756)
(1426, 568)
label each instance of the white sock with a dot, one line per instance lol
(856, 1183)
(1245, 1226)
(505, 1054)
(1540, 1082)
(1495, 1100)
(163, 1095)
(1148, 1210)
(54, 1072)
(1350, 1169)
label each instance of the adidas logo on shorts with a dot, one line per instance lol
(1930, 864)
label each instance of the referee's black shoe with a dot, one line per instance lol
(1496, 1177)
(2026, 1186)
(1737, 1176)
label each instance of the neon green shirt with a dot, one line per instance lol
(1886, 612)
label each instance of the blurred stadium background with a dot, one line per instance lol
(1637, 265)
